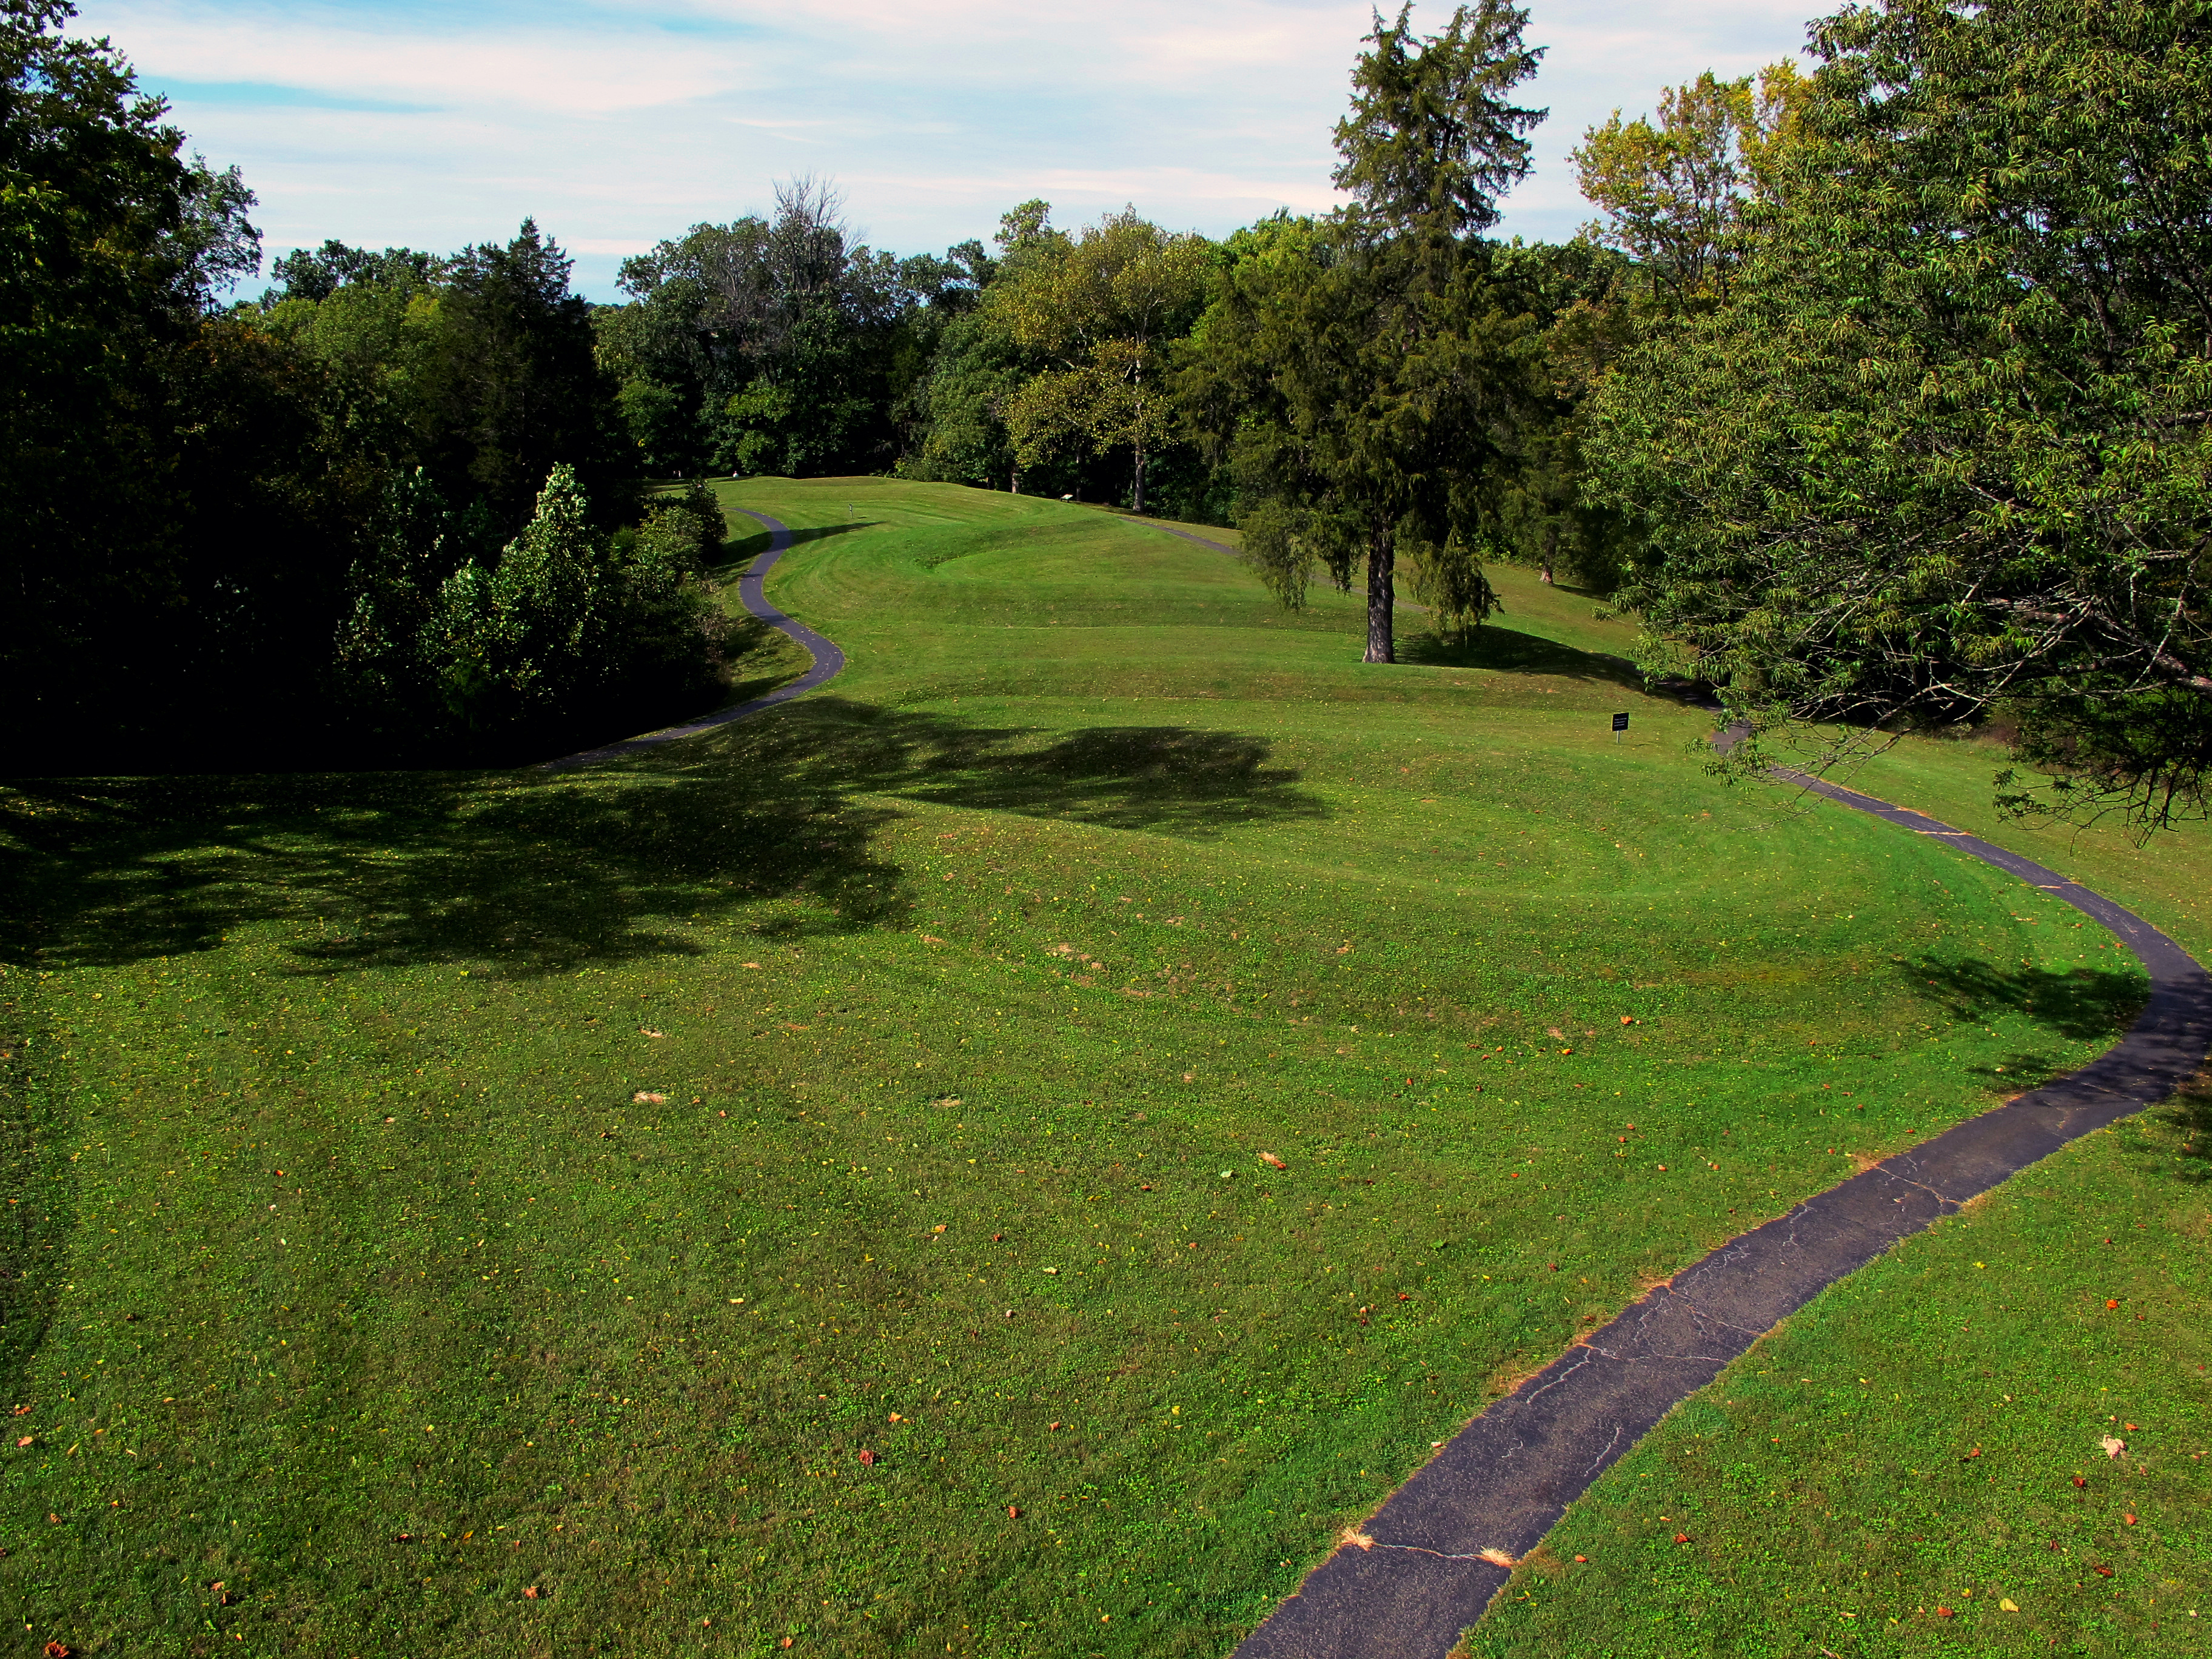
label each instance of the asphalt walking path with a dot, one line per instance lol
(829, 661)
(1406, 1583)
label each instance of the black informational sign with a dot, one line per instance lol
(1620, 722)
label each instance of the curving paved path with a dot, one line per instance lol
(1420, 1574)
(829, 661)
(1425, 1564)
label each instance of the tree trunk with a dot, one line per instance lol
(1381, 573)
(1551, 545)
(1137, 501)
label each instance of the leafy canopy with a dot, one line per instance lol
(1672, 196)
(1948, 453)
(1101, 307)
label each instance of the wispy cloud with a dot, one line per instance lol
(616, 125)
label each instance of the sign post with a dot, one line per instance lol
(1620, 725)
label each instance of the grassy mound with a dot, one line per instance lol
(1919, 1460)
(1007, 1154)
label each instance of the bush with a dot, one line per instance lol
(567, 628)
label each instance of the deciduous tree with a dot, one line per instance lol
(1949, 450)
(1103, 307)
(1673, 194)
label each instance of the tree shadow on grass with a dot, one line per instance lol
(1508, 651)
(2080, 1003)
(2083, 1005)
(771, 824)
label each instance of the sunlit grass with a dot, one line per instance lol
(619, 1112)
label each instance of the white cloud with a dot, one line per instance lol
(616, 125)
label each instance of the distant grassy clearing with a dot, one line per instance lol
(1094, 878)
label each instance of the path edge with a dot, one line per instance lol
(1410, 1580)
(829, 662)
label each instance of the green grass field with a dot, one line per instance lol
(809, 1181)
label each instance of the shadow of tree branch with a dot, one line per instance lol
(2080, 1004)
(773, 824)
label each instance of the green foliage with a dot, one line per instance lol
(1674, 195)
(1102, 306)
(245, 512)
(511, 384)
(93, 197)
(317, 273)
(381, 665)
(976, 371)
(1946, 453)
(787, 345)
(458, 650)
(1578, 295)
(685, 530)
(1431, 144)
(1369, 365)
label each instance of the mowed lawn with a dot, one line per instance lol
(1008, 1154)
(1920, 1462)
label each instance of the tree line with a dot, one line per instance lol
(1877, 391)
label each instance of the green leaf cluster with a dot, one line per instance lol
(1945, 455)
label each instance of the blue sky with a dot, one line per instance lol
(385, 121)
